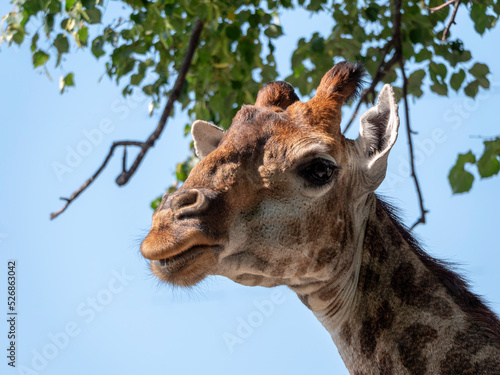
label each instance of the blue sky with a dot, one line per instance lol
(86, 301)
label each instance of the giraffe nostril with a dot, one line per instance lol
(184, 199)
(188, 203)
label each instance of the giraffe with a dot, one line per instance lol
(283, 198)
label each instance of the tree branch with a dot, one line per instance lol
(87, 183)
(409, 132)
(126, 174)
(451, 21)
(399, 51)
(124, 160)
(439, 7)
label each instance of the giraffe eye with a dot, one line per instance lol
(318, 171)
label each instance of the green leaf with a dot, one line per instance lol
(457, 57)
(39, 58)
(83, 35)
(61, 44)
(183, 169)
(34, 41)
(480, 18)
(472, 88)
(135, 79)
(315, 5)
(148, 90)
(89, 3)
(97, 47)
(181, 172)
(488, 164)
(415, 83)
(457, 79)
(156, 203)
(69, 79)
(18, 37)
(94, 15)
(371, 13)
(457, 46)
(484, 82)
(318, 44)
(66, 81)
(233, 32)
(273, 31)
(438, 69)
(416, 35)
(440, 88)
(461, 180)
(187, 129)
(422, 55)
(254, 20)
(479, 70)
(69, 4)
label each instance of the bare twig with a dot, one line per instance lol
(124, 160)
(451, 21)
(409, 132)
(439, 7)
(126, 174)
(87, 183)
(399, 51)
(355, 113)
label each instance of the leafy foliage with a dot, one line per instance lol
(460, 179)
(143, 48)
(487, 164)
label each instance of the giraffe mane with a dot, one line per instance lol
(456, 285)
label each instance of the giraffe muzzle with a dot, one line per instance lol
(181, 224)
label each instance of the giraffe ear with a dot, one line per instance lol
(377, 134)
(206, 137)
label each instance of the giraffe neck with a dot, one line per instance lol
(402, 312)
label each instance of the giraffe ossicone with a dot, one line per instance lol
(283, 198)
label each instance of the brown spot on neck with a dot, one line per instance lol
(466, 344)
(411, 345)
(385, 364)
(346, 333)
(372, 328)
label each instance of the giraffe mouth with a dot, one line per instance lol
(189, 253)
(188, 267)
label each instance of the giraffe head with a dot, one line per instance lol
(273, 199)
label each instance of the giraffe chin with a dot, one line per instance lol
(187, 268)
